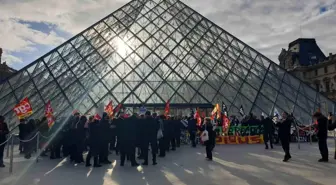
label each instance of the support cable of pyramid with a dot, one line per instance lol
(151, 51)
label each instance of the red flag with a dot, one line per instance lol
(109, 109)
(167, 109)
(226, 122)
(23, 109)
(198, 118)
(49, 113)
(97, 117)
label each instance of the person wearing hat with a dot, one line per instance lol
(322, 134)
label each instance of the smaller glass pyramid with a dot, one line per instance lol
(151, 51)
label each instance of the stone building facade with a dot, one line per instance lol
(306, 61)
(5, 70)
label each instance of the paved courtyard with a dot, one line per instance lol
(233, 164)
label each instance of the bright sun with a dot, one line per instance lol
(122, 48)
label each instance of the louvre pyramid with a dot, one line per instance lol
(149, 51)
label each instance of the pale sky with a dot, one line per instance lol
(30, 28)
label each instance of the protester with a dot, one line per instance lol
(3, 137)
(284, 134)
(210, 143)
(322, 134)
(94, 141)
(268, 131)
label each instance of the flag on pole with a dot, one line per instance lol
(117, 109)
(198, 117)
(167, 109)
(23, 109)
(49, 113)
(109, 109)
(97, 117)
(241, 111)
(215, 112)
(226, 124)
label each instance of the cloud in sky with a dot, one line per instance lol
(29, 28)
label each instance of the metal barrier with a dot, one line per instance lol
(10, 147)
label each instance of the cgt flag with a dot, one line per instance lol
(198, 117)
(109, 109)
(49, 113)
(167, 109)
(23, 109)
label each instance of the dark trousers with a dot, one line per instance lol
(178, 140)
(285, 147)
(167, 143)
(2, 149)
(144, 151)
(268, 136)
(113, 143)
(55, 150)
(128, 151)
(103, 155)
(173, 143)
(208, 149)
(193, 138)
(88, 158)
(162, 147)
(322, 142)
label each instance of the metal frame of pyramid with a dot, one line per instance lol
(149, 51)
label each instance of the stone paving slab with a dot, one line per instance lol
(233, 164)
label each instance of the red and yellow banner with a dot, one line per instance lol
(198, 118)
(23, 109)
(109, 109)
(49, 113)
(240, 139)
(216, 112)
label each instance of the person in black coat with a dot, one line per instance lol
(105, 134)
(94, 141)
(268, 131)
(177, 131)
(322, 134)
(126, 136)
(56, 142)
(26, 134)
(162, 144)
(72, 140)
(80, 138)
(192, 128)
(3, 137)
(284, 134)
(210, 143)
(150, 128)
(168, 133)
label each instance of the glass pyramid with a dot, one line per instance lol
(151, 51)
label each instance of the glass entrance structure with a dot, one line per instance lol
(151, 51)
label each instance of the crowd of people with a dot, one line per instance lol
(134, 136)
(123, 135)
